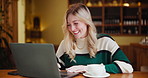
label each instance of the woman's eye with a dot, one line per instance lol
(68, 25)
(75, 23)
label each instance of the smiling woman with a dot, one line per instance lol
(81, 46)
(77, 27)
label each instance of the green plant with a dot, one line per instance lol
(5, 36)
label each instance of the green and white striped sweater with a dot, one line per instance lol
(108, 53)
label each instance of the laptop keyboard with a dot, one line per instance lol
(65, 74)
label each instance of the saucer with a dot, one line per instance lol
(105, 75)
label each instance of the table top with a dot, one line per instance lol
(135, 74)
(139, 45)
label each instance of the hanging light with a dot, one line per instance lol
(126, 4)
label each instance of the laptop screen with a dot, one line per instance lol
(35, 60)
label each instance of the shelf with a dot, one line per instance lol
(131, 34)
(111, 25)
(118, 5)
(92, 6)
(112, 6)
(144, 25)
(98, 25)
(97, 17)
(130, 17)
(130, 25)
(114, 18)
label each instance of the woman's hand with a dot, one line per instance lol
(59, 66)
(77, 68)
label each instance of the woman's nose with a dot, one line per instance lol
(73, 27)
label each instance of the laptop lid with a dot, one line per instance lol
(35, 60)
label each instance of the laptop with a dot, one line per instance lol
(36, 60)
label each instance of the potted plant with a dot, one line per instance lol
(5, 36)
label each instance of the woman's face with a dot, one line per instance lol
(76, 27)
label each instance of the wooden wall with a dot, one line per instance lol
(9, 21)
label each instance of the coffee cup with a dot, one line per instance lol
(95, 70)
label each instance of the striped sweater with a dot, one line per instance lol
(108, 53)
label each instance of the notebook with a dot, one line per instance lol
(36, 60)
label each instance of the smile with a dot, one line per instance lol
(75, 33)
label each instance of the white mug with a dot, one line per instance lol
(95, 70)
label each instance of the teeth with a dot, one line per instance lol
(76, 32)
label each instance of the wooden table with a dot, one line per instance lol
(136, 74)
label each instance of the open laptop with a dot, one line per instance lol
(36, 60)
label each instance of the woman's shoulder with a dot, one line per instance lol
(106, 42)
(104, 36)
(61, 49)
(61, 45)
(62, 42)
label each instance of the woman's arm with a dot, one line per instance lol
(119, 61)
(59, 53)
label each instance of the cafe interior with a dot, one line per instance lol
(40, 21)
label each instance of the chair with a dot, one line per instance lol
(144, 68)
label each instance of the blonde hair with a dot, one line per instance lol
(83, 13)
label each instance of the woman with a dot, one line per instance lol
(81, 46)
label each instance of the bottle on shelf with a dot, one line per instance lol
(136, 30)
(99, 3)
(129, 31)
(89, 4)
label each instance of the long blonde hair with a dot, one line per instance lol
(83, 13)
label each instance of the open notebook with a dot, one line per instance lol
(36, 60)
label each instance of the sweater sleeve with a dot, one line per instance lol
(59, 53)
(119, 61)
